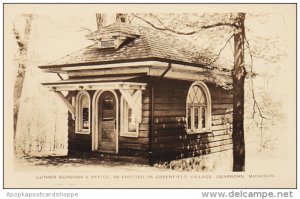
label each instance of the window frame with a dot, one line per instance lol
(79, 117)
(124, 121)
(193, 106)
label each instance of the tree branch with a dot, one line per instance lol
(165, 28)
(255, 103)
(23, 43)
(220, 51)
(87, 29)
(18, 38)
(28, 19)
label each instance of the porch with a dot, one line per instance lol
(101, 115)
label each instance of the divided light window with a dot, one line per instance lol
(129, 127)
(198, 108)
(83, 113)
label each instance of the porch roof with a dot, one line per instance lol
(92, 84)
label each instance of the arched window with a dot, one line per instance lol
(198, 113)
(83, 112)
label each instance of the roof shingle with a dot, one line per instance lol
(149, 44)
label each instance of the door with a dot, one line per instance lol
(107, 122)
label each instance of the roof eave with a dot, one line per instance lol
(58, 66)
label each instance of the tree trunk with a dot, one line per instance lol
(238, 75)
(104, 19)
(99, 20)
(23, 46)
(18, 92)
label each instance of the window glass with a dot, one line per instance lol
(107, 110)
(203, 118)
(196, 117)
(85, 118)
(82, 113)
(197, 106)
(131, 122)
(129, 125)
(189, 118)
(108, 103)
(85, 112)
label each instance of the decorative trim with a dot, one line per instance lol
(66, 102)
(134, 100)
(77, 85)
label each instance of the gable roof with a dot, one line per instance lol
(148, 44)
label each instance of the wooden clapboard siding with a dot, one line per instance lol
(134, 140)
(162, 100)
(144, 133)
(77, 142)
(183, 140)
(187, 148)
(80, 142)
(169, 137)
(134, 146)
(167, 155)
(138, 147)
(221, 106)
(166, 106)
(223, 100)
(144, 126)
(133, 152)
(169, 126)
(169, 119)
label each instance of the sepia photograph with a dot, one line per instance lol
(149, 95)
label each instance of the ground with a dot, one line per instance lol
(216, 162)
(212, 162)
(63, 163)
(203, 171)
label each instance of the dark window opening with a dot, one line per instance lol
(85, 118)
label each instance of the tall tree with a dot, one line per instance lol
(21, 30)
(238, 77)
(236, 22)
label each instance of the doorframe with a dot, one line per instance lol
(95, 125)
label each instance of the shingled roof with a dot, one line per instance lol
(149, 44)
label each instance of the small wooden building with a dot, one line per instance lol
(142, 93)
